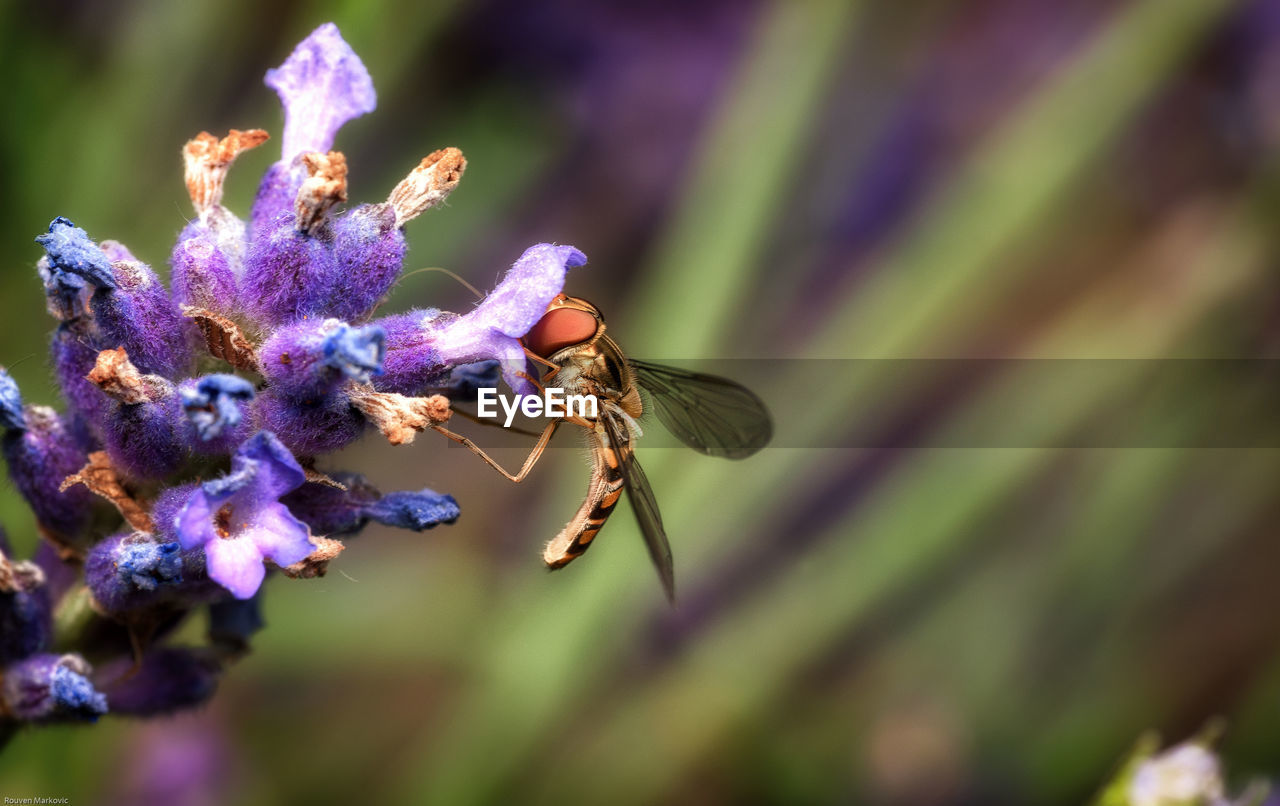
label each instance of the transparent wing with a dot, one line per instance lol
(710, 414)
(643, 504)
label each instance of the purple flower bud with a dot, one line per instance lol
(369, 248)
(51, 688)
(129, 572)
(412, 364)
(142, 432)
(309, 359)
(418, 511)
(70, 250)
(203, 276)
(309, 427)
(139, 315)
(276, 196)
(234, 621)
(167, 680)
(215, 406)
(117, 252)
(66, 294)
(25, 614)
(239, 521)
(356, 353)
(10, 402)
(25, 624)
(285, 274)
(331, 511)
(39, 458)
(74, 354)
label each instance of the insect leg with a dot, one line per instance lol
(539, 359)
(529, 462)
(493, 424)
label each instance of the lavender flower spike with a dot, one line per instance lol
(239, 520)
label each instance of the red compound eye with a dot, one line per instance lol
(558, 329)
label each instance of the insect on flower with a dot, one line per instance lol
(710, 414)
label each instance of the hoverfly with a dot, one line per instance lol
(712, 415)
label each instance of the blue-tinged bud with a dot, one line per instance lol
(66, 294)
(356, 353)
(51, 688)
(418, 511)
(335, 512)
(149, 565)
(10, 403)
(71, 250)
(135, 571)
(284, 274)
(216, 408)
(25, 614)
(233, 622)
(310, 359)
(39, 458)
(166, 681)
(131, 306)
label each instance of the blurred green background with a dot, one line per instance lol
(909, 624)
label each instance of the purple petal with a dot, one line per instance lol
(261, 471)
(322, 85)
(278, 535)
(236, 564)
(533, 281)
(194, 523)
(277, 472)
(492, 330)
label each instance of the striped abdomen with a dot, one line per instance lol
(602, 496)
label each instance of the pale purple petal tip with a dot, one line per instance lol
(323, 84)
(279, 536)
(236, 565)
(533, 281)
